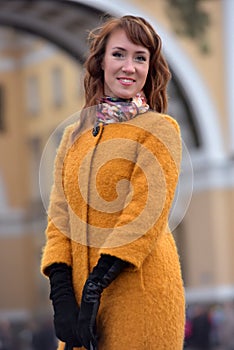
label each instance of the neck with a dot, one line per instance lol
(116, 99)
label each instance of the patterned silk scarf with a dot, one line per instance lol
(115, 110)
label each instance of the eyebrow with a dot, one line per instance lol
(121, 48)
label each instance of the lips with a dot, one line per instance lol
(126, 81)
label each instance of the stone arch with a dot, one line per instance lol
(61, 21)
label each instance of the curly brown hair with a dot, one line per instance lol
(140, 32)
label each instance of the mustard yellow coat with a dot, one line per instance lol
(112, 194)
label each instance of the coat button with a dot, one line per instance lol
(96, 130)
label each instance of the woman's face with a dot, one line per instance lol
(125, 66)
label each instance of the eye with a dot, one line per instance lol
(117, 54)
(140, 58)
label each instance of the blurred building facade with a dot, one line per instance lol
(41, 85)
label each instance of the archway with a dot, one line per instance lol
(65, 24)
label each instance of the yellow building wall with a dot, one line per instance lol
(18, 282)
(208, 245)
(210, 66)
(12, 140)
(51, 116)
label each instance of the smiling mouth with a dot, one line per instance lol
(126, 80)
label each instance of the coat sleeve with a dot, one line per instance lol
(153, 180)
(58, 248)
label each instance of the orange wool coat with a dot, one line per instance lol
(112, 194)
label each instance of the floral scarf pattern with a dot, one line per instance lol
(114, 109)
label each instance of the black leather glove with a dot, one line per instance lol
(66, 310)
(106, 270)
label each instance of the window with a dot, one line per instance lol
(1, 109)
(33, 95)
(57, 87)
(35, 150)
(180, 109)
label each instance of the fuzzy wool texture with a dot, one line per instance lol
(112, 194)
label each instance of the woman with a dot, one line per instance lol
(111, 259)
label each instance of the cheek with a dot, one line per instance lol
(144, 74)
(146, 71)
(105, 63)
(107, 68)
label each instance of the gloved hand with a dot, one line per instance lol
(106, 270)
(66, 310)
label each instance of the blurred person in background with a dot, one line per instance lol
(216, 318)
(127, 295)
(226, 328)
(201, 328)
(6, 336)
(43, 337)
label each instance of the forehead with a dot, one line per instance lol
(118, 38)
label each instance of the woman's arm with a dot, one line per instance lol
(58, 248)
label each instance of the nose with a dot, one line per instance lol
(128, 66)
